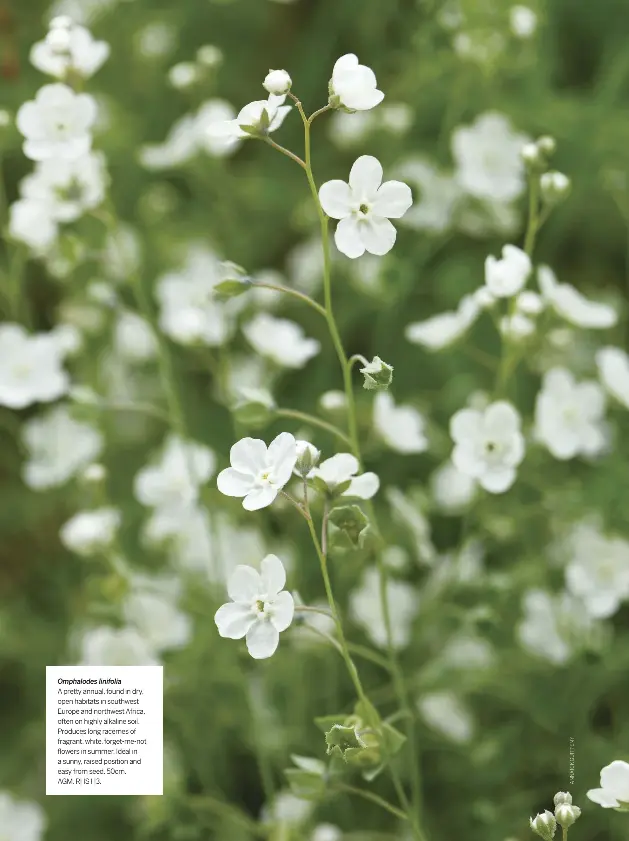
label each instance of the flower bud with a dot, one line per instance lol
(307, 458)
(547, 145)
(566, 814)
(183, 75)
(378, 375)
(544, 825)
(94, 473)
(530, 154)
(554, 186)
(59, 39)
(210, 56)
(562, 797)
(277, 82)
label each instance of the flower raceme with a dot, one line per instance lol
(258, 473)
(260, 608)
(364, 207)
(353, 86)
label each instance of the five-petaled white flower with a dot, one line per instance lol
(281, 340)
(613, 369)
(175, 479)
(69, 48)
(258, 473)
(30, 367)
(570, 304)
(507, 277)
(262, 116)
(598, 570)
(402, 428)
(364, 207)
(88, 532)
(489, 445)
(67, 188)
(57, 123)
(354, 84)
(440, 331)
(259, 609)
(569, 416)
(614, 790)
(342, 468)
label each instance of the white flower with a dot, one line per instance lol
(333, 401)
(452, 490)
(365, 605)
(407, 511)
(523, 21)
(134, 338)
(489, 445)
(442, 330)
(343, 467)
(614, 790)
(597, 571)
(552, 626)
(21, 820)
(446, 713)
(175, 479)
(281, 340)
(258, 473)
(30, 367)
(354, 84)
(277, 82)
(347, 128)
(189, 311)
(364, 207)
(89, 532)
(487, 155)
(517, 326)
(67, 187)
(570, 304)
(401, 427)
(183, 75)
(75, 51)
(262, 116)
(505, 278)
(439, 196)
(569, 416)
(57, 123)
(107, 646)
(157, 619)
(396, 117)
(613, 369)
(326, 832)
(59, 447)
(32, 223)
(259, 609)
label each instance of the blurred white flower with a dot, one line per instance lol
(277, 82)
(32, 223)
(89, 532)
(614, 790)
(438, 199)
(175, 479)
(57, 123)
(440, 331)
(523, 21)
(349, 128)
(400, 427)
(281, 340)
(183, 75)
(342, 468)
(446, 713)
(326, 832)
(260, 608)
(365, 606)
(156, 39)
(354, 84)
(482, 47)
(487, 157)
(134, 338)
(68, 188)
(452, 490)
(506, 277)
(21, 820)
(286, 808)
(30, 367)
(570, 304)
(552, 626)
(333, 401)
(122, 254)
(70, 49)
(489, 445)
(613, 370)
(304, 265)
(409, 512)
(157, 618)
(364, 207)
(262, 116)
(257, 472)
(58, 447)
(597, 571)
(396, 117)
(107, 646)
(467, 653)
(570, 416)
(516, 326)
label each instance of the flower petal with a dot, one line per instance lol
(336, 199)
(497, 481)
(273, 575)
(338, 468)
(249, 456)
(282, 458)
(364, 487)
(282, 610)
(348, 238)
(232, 483)
(378, 235)
(603, 797)
(244, 584)
(501, 419)
(259, 498)
(262, 640)
(365, 177)
(234, 620)
(393, 199)
(615, 779)
(465, 425)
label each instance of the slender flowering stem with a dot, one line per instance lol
(318, 113)
(288, 291)
(373, 798)
(284, 151)
(314, 421)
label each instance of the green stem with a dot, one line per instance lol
(288, 291)
(284, 151)
(314, 421)
(373, 798)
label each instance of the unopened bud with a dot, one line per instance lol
(277, 82)
(210, 56)
(566, 814)
(378, 375)
(544, 825)
(562, 797)
(554, 186)
(307, 458)
(547, 145)
(94, 473)
(530, 154)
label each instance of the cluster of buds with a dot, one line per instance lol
(554, 185)
(545, 824)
